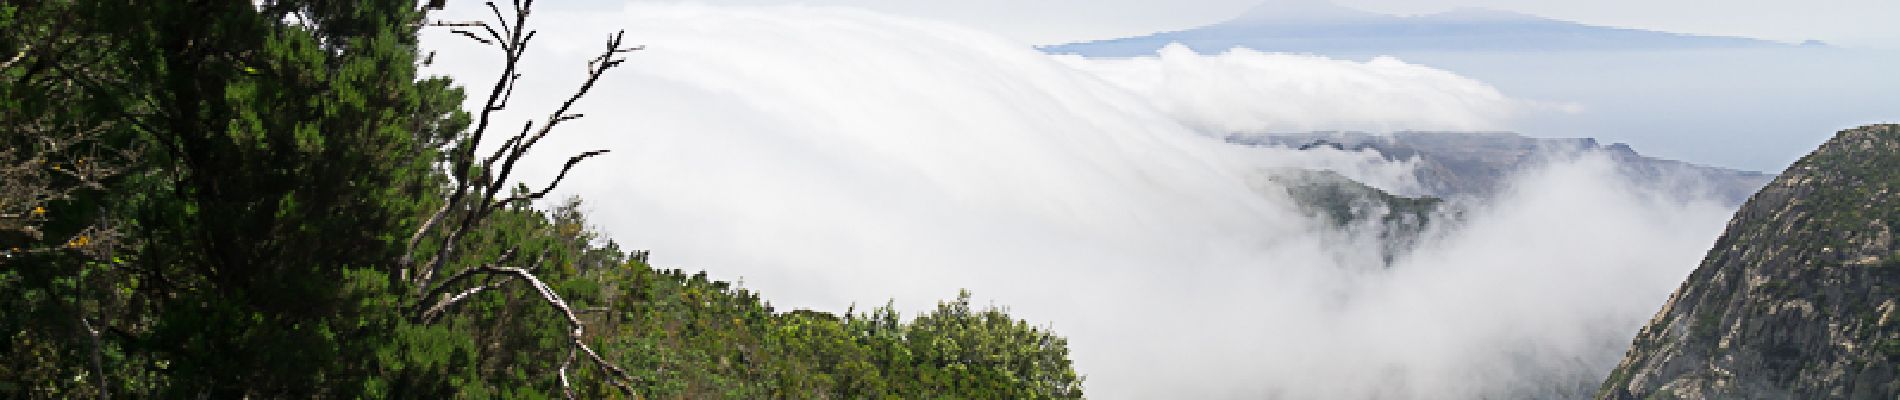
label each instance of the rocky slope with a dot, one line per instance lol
(1799, 298)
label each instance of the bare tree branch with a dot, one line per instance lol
(517, 146)
(477, 182)
(557, 178)
(98, 362)
(436, 311)
(429, 315)
(408, 257)
(471, 35)
(463, 157)
(500, 19)
(567, 388)
(577, 328)
(17, 56)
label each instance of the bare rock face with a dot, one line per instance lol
(1799, 299)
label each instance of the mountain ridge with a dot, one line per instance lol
(1477, 164)
(1799, 298)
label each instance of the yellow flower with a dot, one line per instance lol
(39, 210)
(78, 242)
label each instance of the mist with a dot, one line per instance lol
(828, 157)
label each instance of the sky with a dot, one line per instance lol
(1851, 23)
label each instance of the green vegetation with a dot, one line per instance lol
(1708, 324)
(1398, 221)
(236, 199)
(1662, 395)
(1889, 348)
(1345, 202)
(1867, 174)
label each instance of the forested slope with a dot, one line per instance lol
(237, 199)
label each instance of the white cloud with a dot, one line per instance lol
(1546, 282)
(831, 156)
(1243, 90)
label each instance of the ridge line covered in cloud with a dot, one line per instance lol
(1244, 90)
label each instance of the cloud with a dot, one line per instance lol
(1537, 288)
(830, 156)
(1243, 90)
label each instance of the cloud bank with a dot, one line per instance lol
(1244, 90)
(829, 156)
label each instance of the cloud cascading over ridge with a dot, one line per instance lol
(830, 156)
(1243, 90)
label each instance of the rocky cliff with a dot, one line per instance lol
(1799, 298)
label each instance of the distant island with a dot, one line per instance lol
(1317, 26)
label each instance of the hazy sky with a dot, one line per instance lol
(1857, 23)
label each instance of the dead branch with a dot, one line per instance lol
(477, 182)
(512, 40)
(462, 157)
(577, 328)
(557, 179)
(17, 56)
(567, 388)
(436, 310)
(98, 363)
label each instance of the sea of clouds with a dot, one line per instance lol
(828, 157)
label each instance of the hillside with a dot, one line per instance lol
(1799, 298)
(235, 200)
